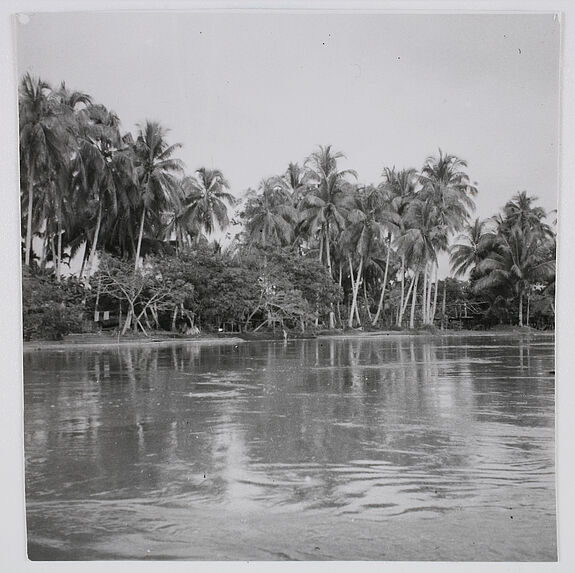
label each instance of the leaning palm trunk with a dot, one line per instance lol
(84, 261)
(424, 295)
(59, 259)
(434, 309)
(403, 308)
(413, 303)
(44, 248)
(401, 311)
(443, 307)
(366, 300)
(429, 317)
(140, 234)
(380, 304)
(30, 214)
(355, 288)
(338, 302)
(327, 249)
(94, 242)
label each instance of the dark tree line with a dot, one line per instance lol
(316, 247)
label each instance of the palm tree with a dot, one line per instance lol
(388, 217)
(363, 236)
(326, 205)
(296, 179)
(204, 202)
(419, 245)
(401, 187)
(471, 247)
(104, 168)
(518, 260)
(43, 143)
(269, 214)
(521, 212)
(445, 183)
(156, 168)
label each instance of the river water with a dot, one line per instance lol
(376, 448)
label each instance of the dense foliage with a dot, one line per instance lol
(51, 309)
(316, 248)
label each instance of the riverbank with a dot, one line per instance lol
(104, 340)
(109, 341)
(507, 331)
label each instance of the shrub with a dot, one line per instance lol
(50, 310)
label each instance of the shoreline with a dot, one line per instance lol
(106, 342)
(437, 334)
(99, 341)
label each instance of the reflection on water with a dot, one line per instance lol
(210, 452)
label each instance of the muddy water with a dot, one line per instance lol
(384, 448)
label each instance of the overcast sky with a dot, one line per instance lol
(248, 93)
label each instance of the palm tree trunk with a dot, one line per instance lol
(424, 295)
(380, 304)
(30, 215)
(527, 316)
(44, 248)
(400, 316)
(352, 278)
(338, 302)
(435, 295)
(403, 308)
(366, 300)
(140, 234)
(327, 249)
(521, 309)
(355, 289)
(53, 250)
(95, 241)
(320, 247)
(413, 301)
(59, 260)
(429, 290)
(443, 306)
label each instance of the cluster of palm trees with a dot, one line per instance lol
(367, 236)
(510, 258)
(85, 184)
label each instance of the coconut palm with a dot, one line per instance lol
(419, 243)
(401, 187)
(204, 203)
(43, 143)
(156, 169)
(518, 260)
(296, 179)
(445, 182)
(325, 206)
(521, 212)
(363, 237)
(104, 166)
(269, 214)
(389, 219)
(470, 247)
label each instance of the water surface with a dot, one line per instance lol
(380, 448)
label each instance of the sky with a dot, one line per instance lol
(248, 93)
